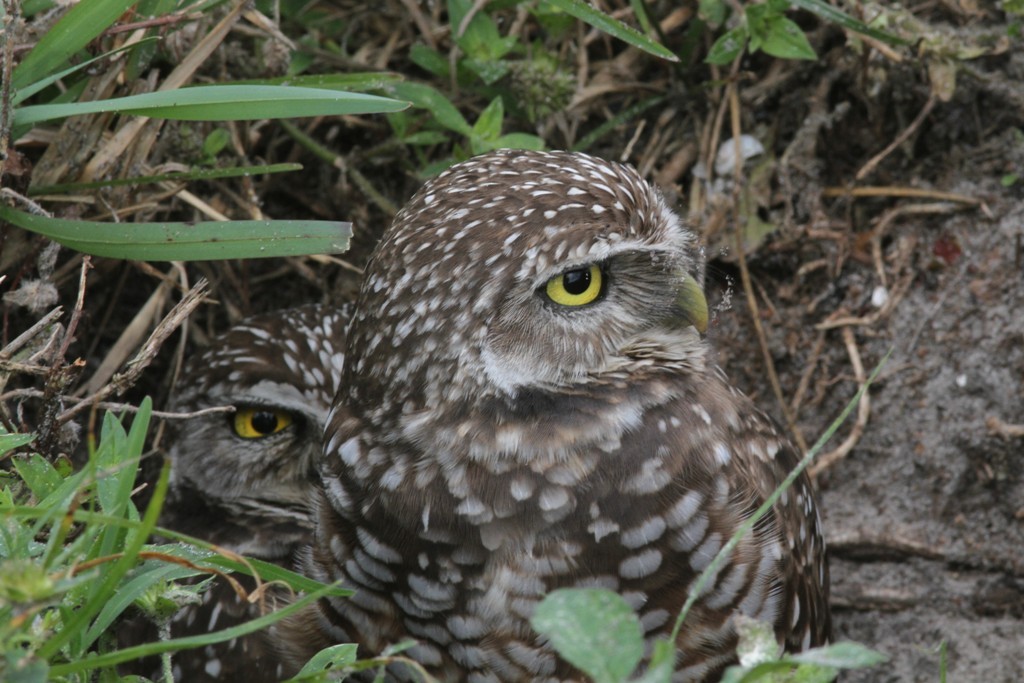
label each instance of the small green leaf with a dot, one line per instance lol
(38, 474)
(713, 12)
(398, 648)
(333, 657)
(189, 241)
(488, 126)
(267, 571)
(594, 630)
(8, 442)
(490, 71)
(426, 97)
(24, 581)
(784, 39)
(728, 46)
(216, 141)
(480, 39)
(430, 60)
(520, 141)
(844, 655)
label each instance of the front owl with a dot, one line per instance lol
(527, 405)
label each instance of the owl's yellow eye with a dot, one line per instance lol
(256, 423)
(576, 287)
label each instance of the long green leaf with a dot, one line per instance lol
(32, 89)
(613, 27)
(149, 649)
(178, 176)
(353, 82)
(128, 592)
(220, 103)
(199, 554)
(837, 16)
(189, 241)
(76, 29)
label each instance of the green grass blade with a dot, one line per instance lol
(837, 16)
(127, 593)
(189, 241)
(8, 442)
(76, 29)
(624, 116)
(220, 103)
(149, 649)
(613, 27)
(202, 556)
(354, 82)
(113, 575)
(178, 176)
(769, 503)
(272, 572)
(33, 88)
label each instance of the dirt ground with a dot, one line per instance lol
(925, 515)
(924, 507)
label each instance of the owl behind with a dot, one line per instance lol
(245, 480)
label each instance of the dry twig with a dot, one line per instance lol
(134, 368)
(863, 411)
(1000, 428)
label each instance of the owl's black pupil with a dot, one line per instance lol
(264, 422)
(576, 281)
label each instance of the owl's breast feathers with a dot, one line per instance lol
(473, 515)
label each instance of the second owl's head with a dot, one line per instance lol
(526, 269)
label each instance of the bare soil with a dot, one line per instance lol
(925, 515)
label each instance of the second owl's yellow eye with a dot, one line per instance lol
(256, 423)
(576, 287)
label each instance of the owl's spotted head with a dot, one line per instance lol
(244, 479)
(519, 270)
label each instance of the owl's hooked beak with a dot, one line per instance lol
(693, 306)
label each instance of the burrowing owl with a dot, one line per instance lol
(528, 404)
(245, 480)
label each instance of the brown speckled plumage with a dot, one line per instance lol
(250, 495)
(489, 445)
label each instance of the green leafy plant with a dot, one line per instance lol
(764, 26)
(75, 556)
